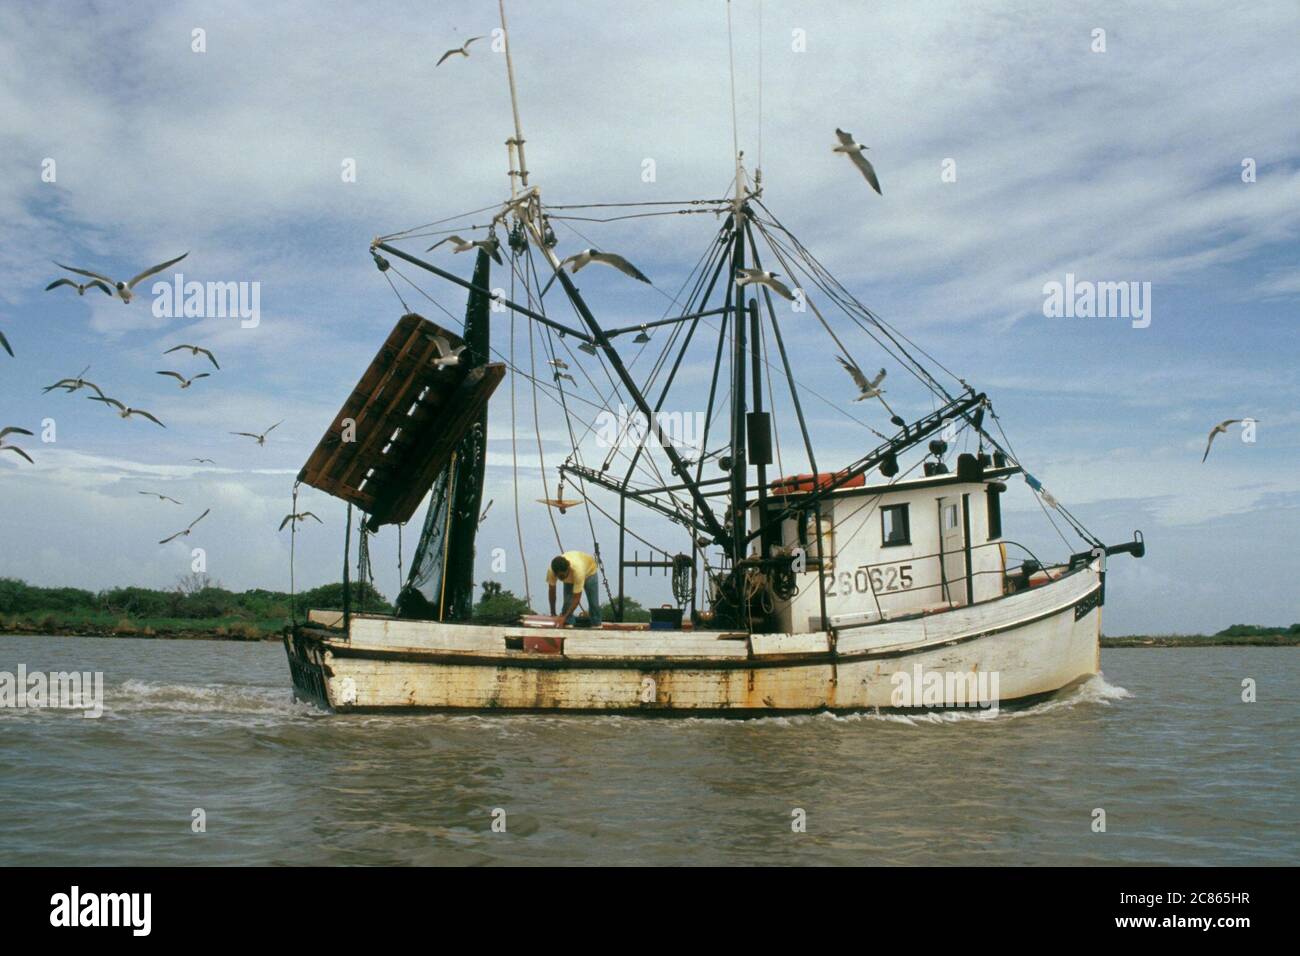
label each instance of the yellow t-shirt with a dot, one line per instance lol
(581, 567)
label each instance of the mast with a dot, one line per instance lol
(518, 143)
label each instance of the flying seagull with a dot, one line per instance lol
(447, 356)
(559, 363)
(759, 277)
(463, 50)
(195, 350)
(5, 446)
(124, 288)
(578, 260)
(870, 388)
(854, 151)
(81, 289)
(486, 510)
(123, 411)
(565, 375)
(1216, 431)
(182, 534)
(298, 516)
(160, 497)
(185, 382)
(73, 384)
(260, 439)
(5, 342)
(203, 461)
(491, 244)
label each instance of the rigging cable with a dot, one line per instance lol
(514, 460)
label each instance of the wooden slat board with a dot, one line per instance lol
(409, 417)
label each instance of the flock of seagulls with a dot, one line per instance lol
(125, 290)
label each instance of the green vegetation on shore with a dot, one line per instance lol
(195, 608)
(1238, 635)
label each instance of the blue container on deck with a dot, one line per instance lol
(666, 618)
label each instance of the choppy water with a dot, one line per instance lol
(1185, 771)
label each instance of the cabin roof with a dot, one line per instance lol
(899, 487)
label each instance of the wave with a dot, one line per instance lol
(139, 696)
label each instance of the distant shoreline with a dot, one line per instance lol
(1203, 640)
(272, 631)
(250, 633)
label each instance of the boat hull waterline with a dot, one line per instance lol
(1032, 644)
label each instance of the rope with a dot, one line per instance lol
(514, 464)
(293, 535)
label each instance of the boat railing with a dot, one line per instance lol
(874, 572)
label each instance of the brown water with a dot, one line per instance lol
(1185, 772)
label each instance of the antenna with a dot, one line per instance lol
(514, 97)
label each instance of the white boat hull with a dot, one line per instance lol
(1031, 644)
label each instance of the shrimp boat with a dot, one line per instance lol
(816, 586)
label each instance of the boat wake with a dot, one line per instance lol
(137, 697)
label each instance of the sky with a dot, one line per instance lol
(1122, 164)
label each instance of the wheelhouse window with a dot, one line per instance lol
(894, 526)
(994, 496)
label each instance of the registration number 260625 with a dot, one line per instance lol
(865, 580)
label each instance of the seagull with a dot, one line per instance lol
(160, 497)
(298, 516)
(182, 534)
(447, 356)
(491, 244)
(1216, 431)
(123, 411)
(203, 461)
(854, 152)
(261, 439)
(577, 261)
(5, 446)
(870, 388)
(462, 50)
(5, 342)
(565, 375)
(73, 384)
(81, 289)
(195, 350)
(486, 510)
(124, 288)
(759, 277)
(185, 382)
(559, 363)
